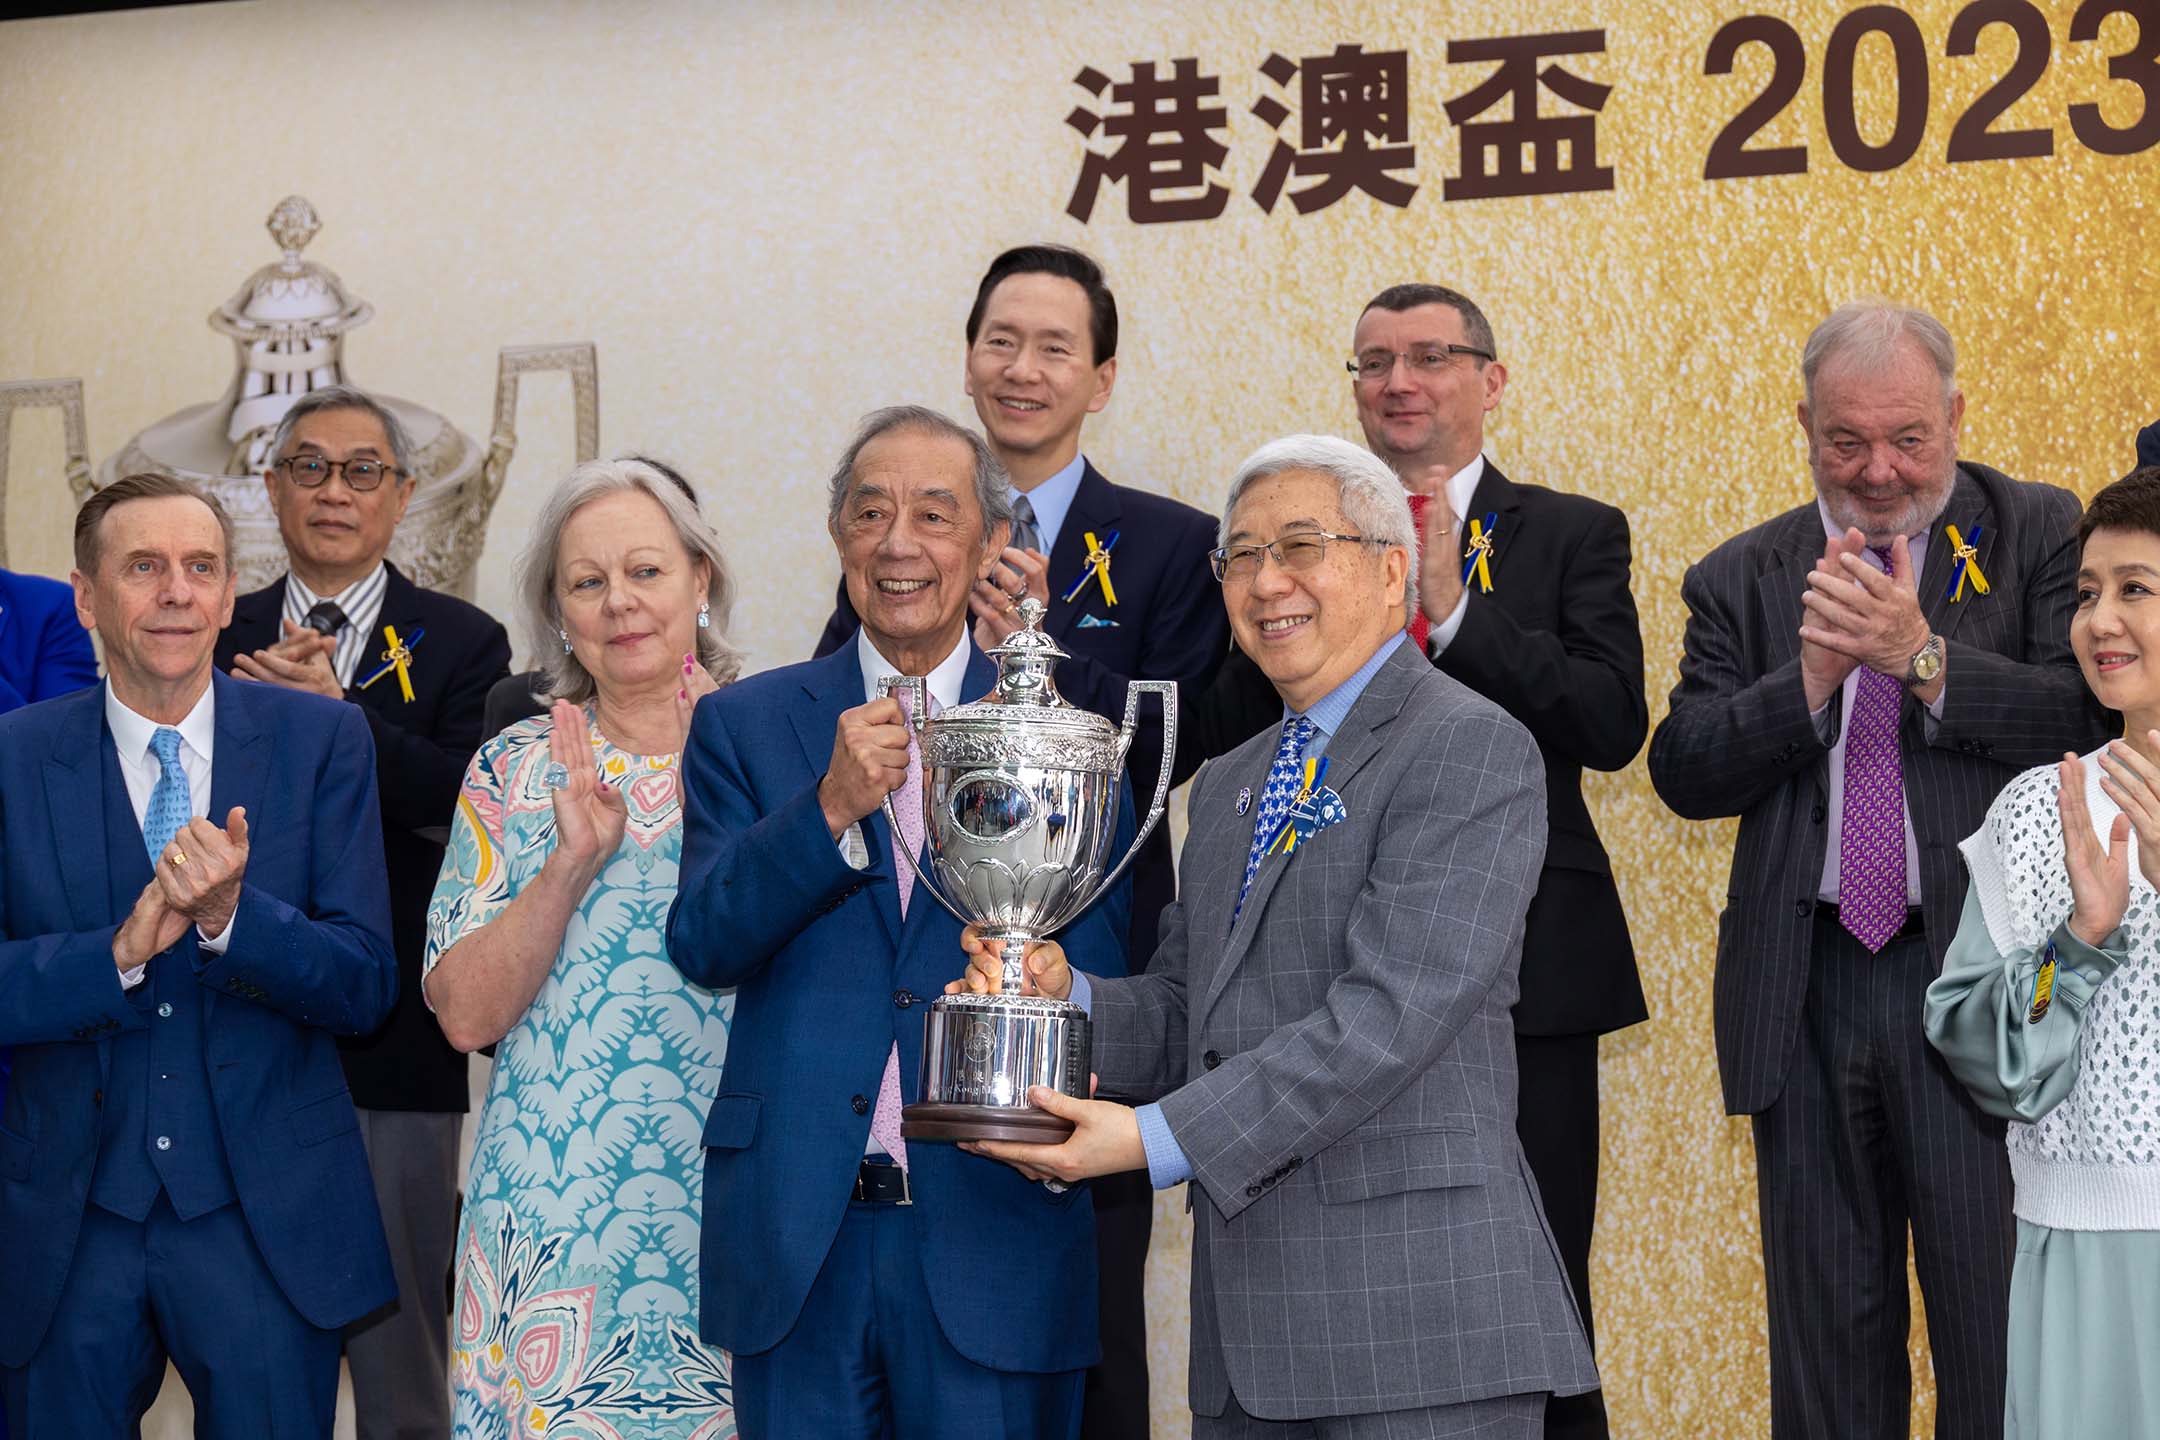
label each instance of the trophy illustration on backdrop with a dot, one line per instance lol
(1020, 808)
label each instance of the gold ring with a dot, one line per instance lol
(177, 857)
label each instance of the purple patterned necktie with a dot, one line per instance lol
(1871, 843)
(907, 804)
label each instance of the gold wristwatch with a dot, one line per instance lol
(1926, 663)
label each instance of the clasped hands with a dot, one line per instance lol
(1856, 615)
(197, 882)
(300, 661)
(1106, 1136)
(2100, 873)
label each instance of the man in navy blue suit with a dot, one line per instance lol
(180, 1167)
(867, 1287)
(44, 651)
(1042, 340)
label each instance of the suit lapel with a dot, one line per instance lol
(1968, 508)
(255, 619)
(1496, 495)
(1795, 549)
(400, 608)
(1094, 507)
(834, 684)
(1348, 750)
(240, 763)
(82, 789)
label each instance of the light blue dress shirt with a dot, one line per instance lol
(1052, 499)
(1166, 1160)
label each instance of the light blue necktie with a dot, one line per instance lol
(170, 803)
(1282, 788)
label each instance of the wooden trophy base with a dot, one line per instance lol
(929, 1121)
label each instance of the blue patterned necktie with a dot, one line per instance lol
(170, 802)
(1282, 788)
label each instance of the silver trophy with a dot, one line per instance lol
(1020, 808)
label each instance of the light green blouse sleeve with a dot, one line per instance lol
(1979, 1015)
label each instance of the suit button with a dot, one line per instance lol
(860, 1105)
(164, 1010)
(1252, 1192)
(903, 998)
(1295, 1161)
(1818, 814)
(1211, 1059)
(1802, 906)
(164, 1142)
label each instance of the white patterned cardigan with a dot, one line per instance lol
(2081, 1081)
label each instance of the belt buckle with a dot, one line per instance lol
(861, 1191)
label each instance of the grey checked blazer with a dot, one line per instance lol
(1340, 1069)
(1738, 739)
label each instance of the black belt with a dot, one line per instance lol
(881, 1182)
(1914, 928)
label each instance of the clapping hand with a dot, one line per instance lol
(1861, 614)
(1440, 582)
(589, 816)
(697, 683)
(1018, 573)
(199, 871)
(2099, 875)
(150, 928)
(2133, 782)
(300, 661)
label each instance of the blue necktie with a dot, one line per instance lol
(170, 803)
(1282, 787)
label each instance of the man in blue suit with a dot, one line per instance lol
(181, 1172)
(44, 651)
(865, 1286)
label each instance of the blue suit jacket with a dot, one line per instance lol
(44, 651)
(829, 978)
(309, 957)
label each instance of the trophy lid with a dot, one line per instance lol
(1027, 662)
(291, 298)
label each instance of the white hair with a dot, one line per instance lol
(1369, 493)
(1868, 333)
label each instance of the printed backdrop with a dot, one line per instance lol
(771, 219)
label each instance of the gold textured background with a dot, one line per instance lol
(771, 217)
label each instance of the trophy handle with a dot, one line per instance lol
(581, 359)
(917, 708)
(67, 397)
(1134, 689)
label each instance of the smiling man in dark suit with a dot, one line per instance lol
(1042, 342)
(340, 483)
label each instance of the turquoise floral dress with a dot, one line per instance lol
(577, 1274)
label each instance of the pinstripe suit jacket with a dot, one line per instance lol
(1339, 1067)
(1738, 739)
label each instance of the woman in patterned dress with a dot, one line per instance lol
(577, 1277)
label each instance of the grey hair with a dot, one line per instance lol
(345, 397)
(1868, 332)
(1369, 493)
(990, 477)
(562, 676)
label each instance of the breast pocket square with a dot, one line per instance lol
(1094, 622)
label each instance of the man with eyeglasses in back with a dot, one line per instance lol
(344, 623)
(1524, 597)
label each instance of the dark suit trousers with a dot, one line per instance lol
(1556, 1118)
(1871, 1133)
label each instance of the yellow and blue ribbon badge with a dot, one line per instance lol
(1477, 555)
(1313, 808)
(399, 658)
(2043, 987)
(1968, 565)
(1095, 567)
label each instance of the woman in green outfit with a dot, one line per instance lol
(2048, 1009)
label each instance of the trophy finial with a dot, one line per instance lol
(292, 224)
(1031, 612)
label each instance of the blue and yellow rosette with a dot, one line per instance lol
(1096, 567)
(397, 658)
(1477, 555)
(1968, 564)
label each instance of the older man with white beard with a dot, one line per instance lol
(1861, 675)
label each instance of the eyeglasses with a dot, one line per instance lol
(361, 476)
(1424, 360)
(1299, 550)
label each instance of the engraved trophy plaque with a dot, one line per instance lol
(1020, 808)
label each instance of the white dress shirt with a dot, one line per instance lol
(362, 603)
(140, 771)
(1460, 487)
(1916, 546)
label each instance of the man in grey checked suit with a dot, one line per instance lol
(1854, 695)
(1325, 1030)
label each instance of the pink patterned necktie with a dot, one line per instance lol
(907, 804)
(1871, 842)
